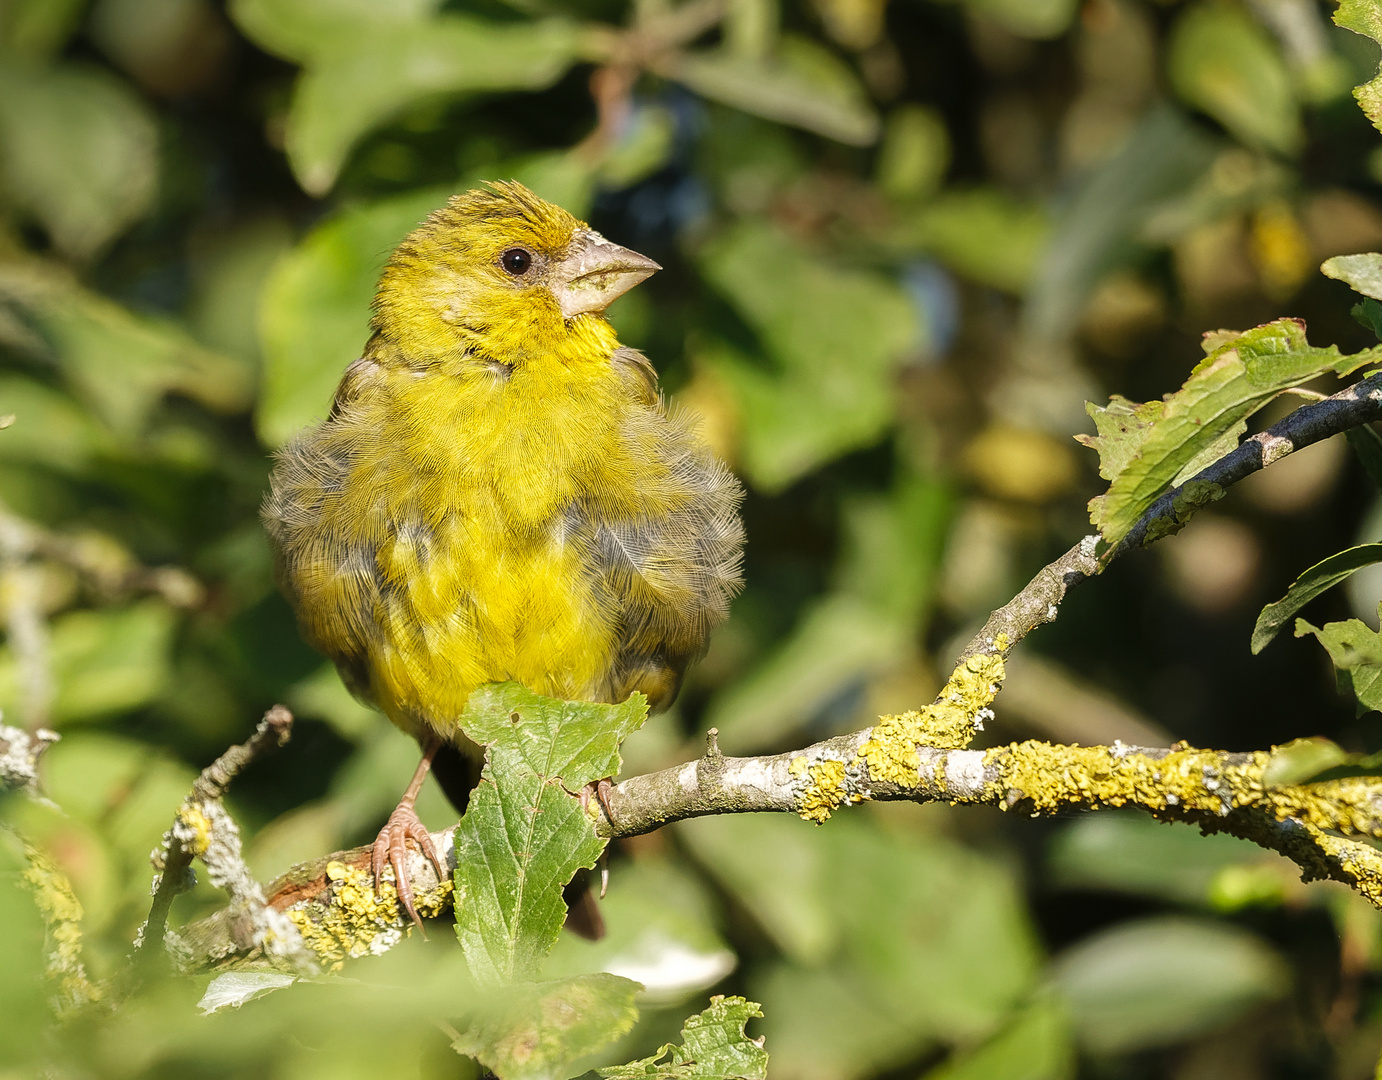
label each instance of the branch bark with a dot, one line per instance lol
(922, 755)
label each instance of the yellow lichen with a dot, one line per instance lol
(825, 792)
(949, 723)
(1053, 777)
(62, 913)
(348, 920)
(198, 825)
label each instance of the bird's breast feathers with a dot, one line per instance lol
(547, 523)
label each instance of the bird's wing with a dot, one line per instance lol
(673, 569)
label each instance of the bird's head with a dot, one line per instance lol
(501, 272)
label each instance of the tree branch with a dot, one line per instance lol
(203, 829)
(921, 755)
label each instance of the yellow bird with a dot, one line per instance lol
(499, 491)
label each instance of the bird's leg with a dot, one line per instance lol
(391, 846)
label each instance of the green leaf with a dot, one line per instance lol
(1365, 17)
(803, 84)
(364, 79)
(1223, 62)
(892, 939)
(1100, 228)
(1154, 982)
(1367, 445)
(839, 643)
(1302, 760)
(233, 988)
(915, 153)
(659, 931)
(1036, 1045)
(524, 834)
(78, 150)
(1322, 576)
(983, 234)
(1132, 853)
(1356, 650)
(300, 29)
(834, 337)
(1144, 448)
(1039, 19)
(1368, 313)
(314, 313)
(50, 428)
(713, 1046)
(1361, 273)
(37, 29)
(535, 1031)
(119, 363)
(104, 662)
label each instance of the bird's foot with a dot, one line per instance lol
(601, 790)
(391, 849)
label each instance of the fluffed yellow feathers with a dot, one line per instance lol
(499, 491)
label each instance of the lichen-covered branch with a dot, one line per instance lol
(20, 751)
(203, 829)
(921, 756)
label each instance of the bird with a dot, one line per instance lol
(501, 492)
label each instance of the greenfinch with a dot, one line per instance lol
(499, 491)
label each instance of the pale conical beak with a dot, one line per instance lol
(595, 273)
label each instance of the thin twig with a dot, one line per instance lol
(196, 828)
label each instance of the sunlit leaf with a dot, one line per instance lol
(1322, 576)
(362, 80)
(1361, 273)
(104, 661)
(659, 931)
(300, 29)
(802, 84)
(982, 234)
(1037, 1045)
(233, 988)
(535, 1031)
(1154, 982)
(713, 1046)
(1143, 448)
(1099, 227)
(893, 939)
(834, 336)
(1028, 18)
(1365, 17)
(314, 314)
(118, 363)
(1222, 61)
(1356, 650)
(524, 834)
(78, 150)
(1132, 853)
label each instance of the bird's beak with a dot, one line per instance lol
(595, 273)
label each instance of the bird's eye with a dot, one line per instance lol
(516, 261)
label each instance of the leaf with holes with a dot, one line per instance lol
(713, 1047)
(1356, 650)
(524, 834)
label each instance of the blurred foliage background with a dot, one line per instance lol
(904, 243)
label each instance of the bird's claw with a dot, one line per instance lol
(391, 849)
(601, 789)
